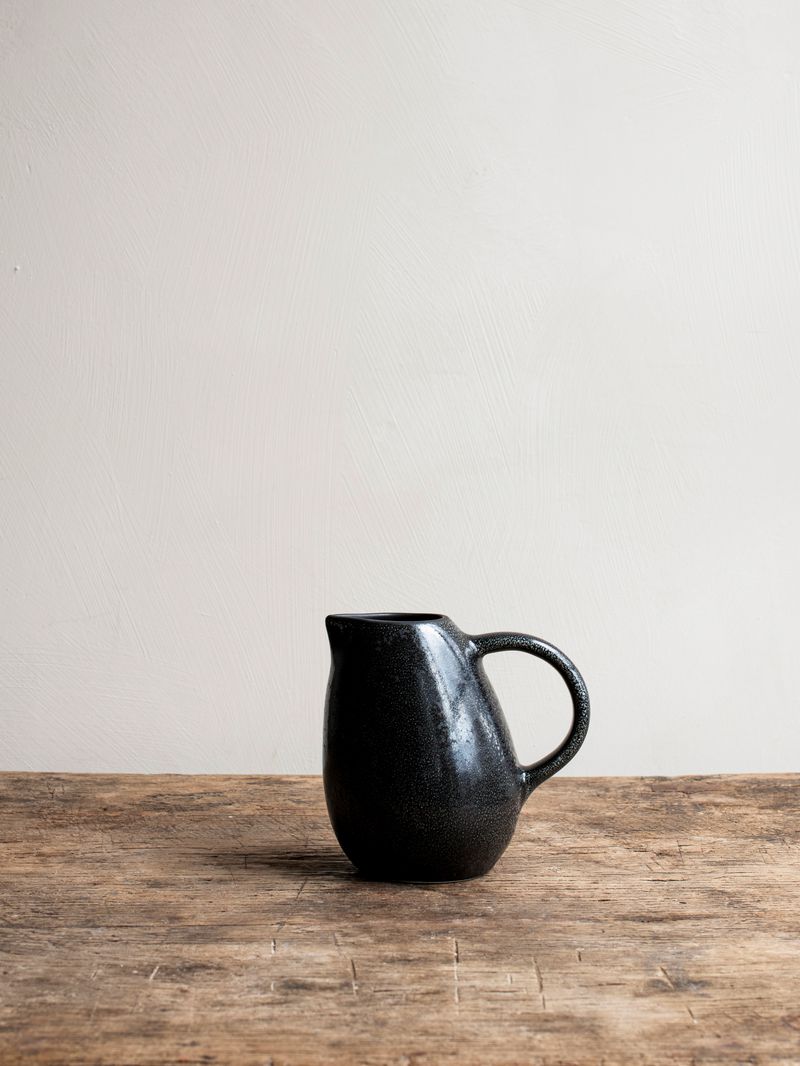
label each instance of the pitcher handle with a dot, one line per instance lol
(533, 775)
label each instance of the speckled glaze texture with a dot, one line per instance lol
(421, 778)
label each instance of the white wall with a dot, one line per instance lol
(488, 308)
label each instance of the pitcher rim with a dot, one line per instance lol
(389, 617)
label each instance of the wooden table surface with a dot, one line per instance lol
(214, 920)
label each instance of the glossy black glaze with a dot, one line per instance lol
(421, 779)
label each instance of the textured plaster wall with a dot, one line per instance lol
(489, 308)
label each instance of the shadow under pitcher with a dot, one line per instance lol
(421, 779)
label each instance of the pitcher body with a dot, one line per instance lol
(421, 779)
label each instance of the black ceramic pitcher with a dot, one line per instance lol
(421, 779)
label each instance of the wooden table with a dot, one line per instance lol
(214, 920)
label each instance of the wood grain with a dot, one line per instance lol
(214, 920)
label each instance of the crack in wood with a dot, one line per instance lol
(540, 982)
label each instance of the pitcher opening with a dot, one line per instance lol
(391, 617)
